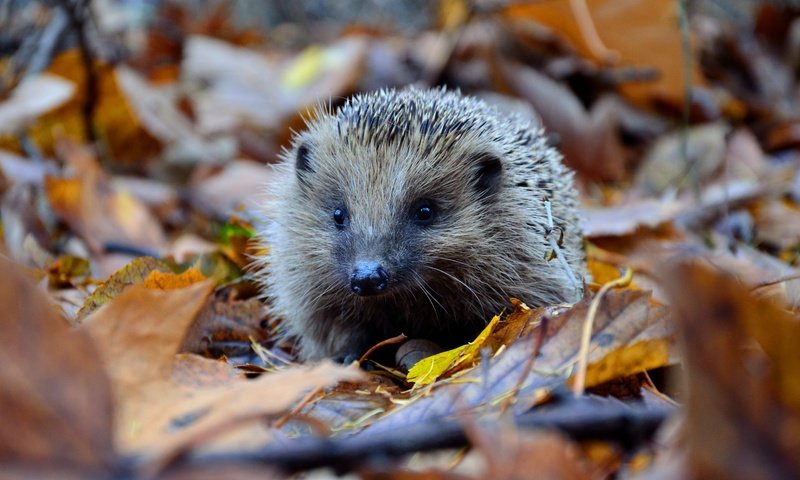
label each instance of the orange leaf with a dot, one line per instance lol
(644, 33)
(158, 280)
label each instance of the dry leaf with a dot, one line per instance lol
(134, 272)
(742, 364)
(589, 141)
(225, 324)
(427, 370)
(140, 331)
(33, 97)
(91, 206)
(631, 334)
(241, 183)
(512, 453)
(55, 399)
(633, 30)
(668, 166)
(158, 280)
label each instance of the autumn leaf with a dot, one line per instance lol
(427, 370)
(158, 280)
(742, 364)
(93, 207)
(134, 272)
(56, 406)
(632, 31)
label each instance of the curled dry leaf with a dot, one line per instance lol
(164, 407)
(227, 326)
(140, 331)
(741, 363)
(55, 399)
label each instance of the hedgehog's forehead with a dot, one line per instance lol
(387, 119)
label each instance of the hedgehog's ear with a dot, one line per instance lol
(487, 173)
(302, 161)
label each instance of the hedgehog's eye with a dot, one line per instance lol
(424, 212)
(340, 217)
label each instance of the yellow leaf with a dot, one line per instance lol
(427, 370)
(305, 69)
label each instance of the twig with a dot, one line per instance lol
(581, 419)
(784, 278)
(296, 409)
(380, 344)
(526, 370)
(48, 41)
(78, 13)
(576, 286)
(686, 53)
(578, 387)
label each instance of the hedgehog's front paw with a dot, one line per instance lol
(347, 358)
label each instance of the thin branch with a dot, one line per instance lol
(78, 13)
(579, 385)
(581, 419)
(577, 286)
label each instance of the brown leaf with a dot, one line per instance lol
(742, 363)
(633, 30)
(666, 166)
(140, 331)
(91, 206)
(157, 112)
(240, 184)
(512, 453)
(589, 140)
(629, 216)
(119, 131)
(162, 409)
(213, 410)
(157, 280)
(225, 324)
(55, 400)
(777, 224)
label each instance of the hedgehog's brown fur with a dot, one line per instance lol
(488, 177)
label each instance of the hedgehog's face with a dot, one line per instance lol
(387, 221)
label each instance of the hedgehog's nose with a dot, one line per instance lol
(369, 278)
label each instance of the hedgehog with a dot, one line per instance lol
(414, 211)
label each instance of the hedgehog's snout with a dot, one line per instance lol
(369, 278)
